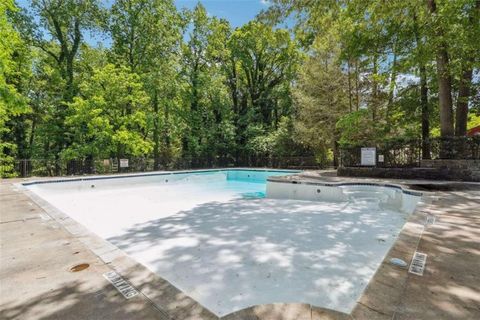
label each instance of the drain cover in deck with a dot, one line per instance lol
(79, 267)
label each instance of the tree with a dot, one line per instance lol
(64, 21)
(207, 110)
(59, 34)
(109, 117)
(267, 59)
(347, 71)
(469, 61)
(146, 37)
(443, 73)
(321, 97)
(396, 36)
(12, 103)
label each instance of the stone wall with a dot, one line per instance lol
(453, 164)
(460, 170)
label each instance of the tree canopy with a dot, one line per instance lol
(184, 86)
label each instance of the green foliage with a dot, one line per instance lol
(277, 143)
(267, 58)
(356, 127)
(206, 111)
(109, 117)
(12, 103)
(144, 32)
(186, 87)
(321, 96)
(384, 41)
(147, 37)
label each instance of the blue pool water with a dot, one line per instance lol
(245, 184)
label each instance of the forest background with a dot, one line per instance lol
(181, 85)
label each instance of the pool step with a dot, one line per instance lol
(366, 196)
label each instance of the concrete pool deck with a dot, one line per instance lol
(39, 245)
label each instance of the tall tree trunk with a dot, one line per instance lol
(232, 82)
(350, 103)
(156, 133)
(464, 88)
(374, 99)
(444, 93)
(336, 152)
(393, 84)
(166, 134)
(234, 93)
(461, 113)
(444, 81)
(18, 125)
(275, 114)
(425, 112)
(31, 138)
(120, 154)
(423, 94)
(357, 87)
(70, 91)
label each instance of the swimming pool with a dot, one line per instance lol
(221, 238)
(97, 202)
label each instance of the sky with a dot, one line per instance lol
(237, 12)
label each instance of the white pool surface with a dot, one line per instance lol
(215, 237)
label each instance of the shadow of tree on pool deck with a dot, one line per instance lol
(240, 253)
(74, 301)
(450, 287)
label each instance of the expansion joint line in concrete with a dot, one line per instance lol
(373, 309)
(20, 220)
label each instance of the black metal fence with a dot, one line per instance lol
(52, 167)
(408, 153)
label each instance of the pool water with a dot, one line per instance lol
(219, 239)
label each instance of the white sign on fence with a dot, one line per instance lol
(123, 163)
(369, 156)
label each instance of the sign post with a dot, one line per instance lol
(369, 157)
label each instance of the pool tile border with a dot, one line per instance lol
(152, 174)
(340, 184)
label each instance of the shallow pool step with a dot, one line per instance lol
(370, 196)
